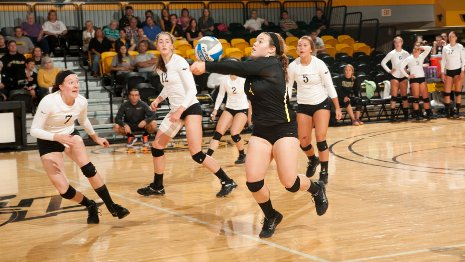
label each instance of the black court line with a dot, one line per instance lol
(428, 149)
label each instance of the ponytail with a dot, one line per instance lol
(161, 63)
(55, 88)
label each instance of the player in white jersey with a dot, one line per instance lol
(179, 88)
(314, 84)
(53, 126)
(452, 73)
(417, 79)
(233, 117)
(397, 80)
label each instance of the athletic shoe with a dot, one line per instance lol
(311, 167)
(392, 118)
(131, 141)
(355, 123)
(118, 211)
(320, 199)
(93, 213)
(323, 177)
(240, 159)
(226, 188)
(418, 116)
(360, 122)
(456, 116)
(269, 225)
(151, 190)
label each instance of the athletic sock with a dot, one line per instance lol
(312, 158)
(85, 201)
(324, 166)
(393, 112)
(222, 176)
(405, 111)
(457, 107)
(103, 193)
(158, 180)
(313, 188)
(267, 209)
(128, 135)
(210, 152)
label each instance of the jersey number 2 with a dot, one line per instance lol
(234, 90)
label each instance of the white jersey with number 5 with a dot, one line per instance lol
(314, 82)
(53, 116)
(415, 65)
(178, 83)
(237, 99)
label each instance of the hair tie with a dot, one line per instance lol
(275, 42)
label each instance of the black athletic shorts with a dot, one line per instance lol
(275, 132)
(391, 77)
(234, 112)
(454, 72)
(418, 80)
(311, 109)
(194, 109)
(47, 146)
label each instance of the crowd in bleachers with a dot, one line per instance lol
(124, 46)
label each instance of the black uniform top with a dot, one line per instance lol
(265, 86)
(134, 114)
(350, 88)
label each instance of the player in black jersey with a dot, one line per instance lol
(275, 129)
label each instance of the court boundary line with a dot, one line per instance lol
(405, 253)
(201, 222)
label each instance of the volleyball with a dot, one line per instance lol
(208, 49)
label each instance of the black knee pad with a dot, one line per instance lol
(393, 99)
(255, 186)
(236, 138)
(70, 193)
(416, 100)
(294, 188)
(426, 100)
(217, 135)
(89, 170)
(306, 148)
(445, 94)
(457, 93)
(157, 152)
(321, 145)
(199, 157)
(404, 98)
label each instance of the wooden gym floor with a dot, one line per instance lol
(396, 193)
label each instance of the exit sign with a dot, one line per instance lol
(386, 12)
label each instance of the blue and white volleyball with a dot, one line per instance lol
(208, 49)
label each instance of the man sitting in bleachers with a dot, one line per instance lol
(24, 44)
(25, 80)
(134, 116)
(126, 19)
(12, 61)
(254, 24)
(319, 44)
(144, 61)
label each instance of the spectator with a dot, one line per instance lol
(349, 95)
(319, 44)
(175, 29)
(193, 32)
(37, 57)
(254, 24)
(123, 40)
(55, 31)
(319, 21)
(288, 25)
(12, 61)
(135, 115)
(87, 35)
(438, 44)
(24, 44)
(112, 32)
(3, 84)
(144, 61)
(121, 64)
(25, 79)
(125, 21)
(445, 37)
(35, 32)
(165, 21)
(131, 30)
(151, 30)
(148, 13)
(184, 19)
(142, 37)
(206, 23)
(97, 46)
(3, 47)
(46, 76)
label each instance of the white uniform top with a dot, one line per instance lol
(395, 58)
(237, 99)
(415, 65)
(453, 57)
(314, 82)
(178, 83)
(53, 116)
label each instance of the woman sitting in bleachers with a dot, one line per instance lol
(37, 55)
(193, 32)
(46, 77)
(122, 64)
(123, 40)
(55, 31)
(349, 95)
(97, 46)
